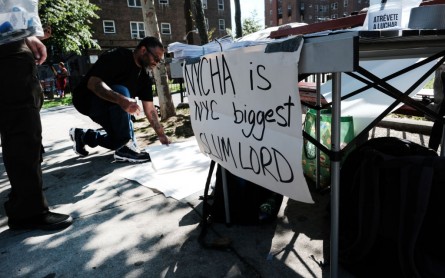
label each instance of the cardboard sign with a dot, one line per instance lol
(389, 14)
(246, 115)
(385, 19)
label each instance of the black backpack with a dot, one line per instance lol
(249, 203)
(392, 209)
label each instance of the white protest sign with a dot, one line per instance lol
(389, 14)
(384, 19)
(246, 114)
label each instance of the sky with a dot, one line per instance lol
(247, 7)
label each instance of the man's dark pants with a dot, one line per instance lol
(21, 130)
(114, 120)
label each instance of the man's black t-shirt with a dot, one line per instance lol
(115, 67)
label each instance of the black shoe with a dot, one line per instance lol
(76, 135)
(127, 154)
(48, 221)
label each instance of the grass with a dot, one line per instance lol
(174, 88)
(67, 100)
(401, 116)
(430, 84)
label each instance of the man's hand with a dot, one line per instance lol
(131, 106)
(102, 90)
(152, 116)
(37, 48)
(164, 139)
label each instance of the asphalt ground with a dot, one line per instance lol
(123, 229)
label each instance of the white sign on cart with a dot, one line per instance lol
(246, 113)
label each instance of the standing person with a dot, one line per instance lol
(108, 95)
(61, 77)
(21, 135)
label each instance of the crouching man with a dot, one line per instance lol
(107, 94)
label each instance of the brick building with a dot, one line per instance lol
(121, 24)
(278, 12)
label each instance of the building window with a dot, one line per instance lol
(221, 5)
(334, 6)
(345, 3)
(334, 16)
(166, 29)
(109, 27)
(204, 4)
(206, 20)
(163, 2)
(222, 24)
(137, 30)
(134, 3)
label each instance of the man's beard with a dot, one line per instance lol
(145, 65)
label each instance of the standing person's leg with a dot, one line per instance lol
(62, 88)
(58, 86)
(20, 128)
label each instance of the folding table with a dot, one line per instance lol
(342, 52)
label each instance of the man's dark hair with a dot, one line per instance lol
(150, 42)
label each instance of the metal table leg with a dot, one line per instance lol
(226, 195)
(335, 171)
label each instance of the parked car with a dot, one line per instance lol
(47, 80)
(48, 86)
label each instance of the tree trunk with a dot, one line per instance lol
(188, 21)
(160, 72)
(200, 22)
(239, 28)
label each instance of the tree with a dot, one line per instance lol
(70, 23)
(251, 24)
(188, 21)
(200, 22)
(239, 30)
(160, 72)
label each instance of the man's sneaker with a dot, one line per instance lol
(126, 153)
(48, 221)
(76, 135)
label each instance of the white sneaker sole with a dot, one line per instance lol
(131, 160)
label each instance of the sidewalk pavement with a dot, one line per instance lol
(123, 229)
